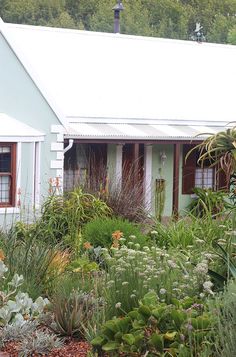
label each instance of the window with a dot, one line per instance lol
(196, 176)
(7, 174)
(204, 177)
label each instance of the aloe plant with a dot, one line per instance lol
(220, 149)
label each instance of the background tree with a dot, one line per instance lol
(159, 18)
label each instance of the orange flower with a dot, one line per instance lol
(117, 235)
(2, 255)
(87, 245)
(115, 245)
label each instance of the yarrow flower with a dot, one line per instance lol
(154, 233)
(201, 268)
(124, 283)
(118, 305)
(172, 264)
(207, 287)
(162, 291)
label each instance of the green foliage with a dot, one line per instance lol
(220, 150)
(225, 250)
(224, 310)
(207, 202)
(99, 232)
(73, 311)
(31, 258)
(160, 195)
(155, 327)
(35, 12)
(163, 18)
(232, 36)
(82, 265)
(132, 273)
(63, 216)
(188, 231)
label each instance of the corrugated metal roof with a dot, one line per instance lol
(139, 131)
(106, 75)
(12, 128)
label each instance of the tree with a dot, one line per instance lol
(134, 19)
(159, 18)
(36, 12)
(81, 11)
(231, 37)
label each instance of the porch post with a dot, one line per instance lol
(118, 166)
(148, 176)
(136, 162)
(175, 205)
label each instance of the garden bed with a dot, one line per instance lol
(72, 348)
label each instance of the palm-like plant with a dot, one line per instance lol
(220, 150)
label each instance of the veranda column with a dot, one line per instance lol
(175, 206)
(118, 166)
(148, 176)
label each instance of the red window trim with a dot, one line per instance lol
(12, 174)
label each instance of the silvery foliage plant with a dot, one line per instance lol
(17, 307)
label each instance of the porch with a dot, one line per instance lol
(138, 168)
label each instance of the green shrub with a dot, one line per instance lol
(32, 258)
(65, 215)
(99, 232)
(157, 329)
(131, 273)
(207, 202)
(224, 310)
(189, 230)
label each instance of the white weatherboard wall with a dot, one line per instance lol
(21, 99)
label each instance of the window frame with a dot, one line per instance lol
(189, 172)
(12, 174)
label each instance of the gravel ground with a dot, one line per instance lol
(72, 348)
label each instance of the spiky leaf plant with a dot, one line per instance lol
(220, 150)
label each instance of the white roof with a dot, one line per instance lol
(123, 78)
(15, 130)
(140, 131)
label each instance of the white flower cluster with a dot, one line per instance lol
(168, 273)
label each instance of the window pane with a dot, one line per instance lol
(5, 149)
(5, 159)
(4, 189)
(204, 178)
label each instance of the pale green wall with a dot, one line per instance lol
(20, 98)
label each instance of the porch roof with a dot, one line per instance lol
(144, 131)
